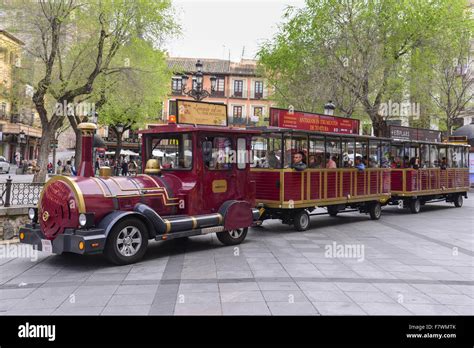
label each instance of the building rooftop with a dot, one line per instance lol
(214, 66)
(11, 37)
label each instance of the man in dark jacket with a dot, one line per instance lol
(124, 168)
(298, 163)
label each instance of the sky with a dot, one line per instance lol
(217, 28)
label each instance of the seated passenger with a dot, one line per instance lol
(298, 163)
(444, 163)
(373, 163)
(414, 163)
(330, 162)
(272, 160)
(406, 162)
(396, 163)
(314, 162)
(359, 164)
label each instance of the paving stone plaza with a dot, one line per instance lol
(403, 264)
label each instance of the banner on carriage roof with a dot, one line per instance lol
(312, 122)
(202, 113)
(417, 134)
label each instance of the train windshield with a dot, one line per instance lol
(173, 151)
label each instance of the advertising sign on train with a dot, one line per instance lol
(194, 112)
(313, 122)
(408, 133)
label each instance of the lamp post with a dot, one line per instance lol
(119, 127)
(22, 141)
(197, 91)
(329, 108)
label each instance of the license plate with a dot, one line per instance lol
(46, 246)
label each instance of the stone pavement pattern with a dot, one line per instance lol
(412, 264)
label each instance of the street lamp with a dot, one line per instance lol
(22, 142)
(197, 91)
(22, 137)
(119, 128)
(329, 108)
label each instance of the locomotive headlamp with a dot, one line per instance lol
(86, 220)
(33, 214)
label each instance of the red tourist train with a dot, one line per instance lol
(202, 176)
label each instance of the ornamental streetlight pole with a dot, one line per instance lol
(329, 108)
(197, 91)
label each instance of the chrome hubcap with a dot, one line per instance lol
(235, 233)
(304, 220)
(129, 241)
(378, 210)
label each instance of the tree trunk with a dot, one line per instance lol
(54, 156)
(44, 148)
(379, 125)
(78, 155)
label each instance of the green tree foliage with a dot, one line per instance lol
(80, 44)
(359, 53)
(133, 96)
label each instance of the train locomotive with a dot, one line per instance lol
(117, 216)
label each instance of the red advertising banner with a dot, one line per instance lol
(313, 122)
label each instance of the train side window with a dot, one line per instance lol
(174, 152)
(217, 153)
(295, 143)
(443, 158)
(410, 156)
(361, 150)
(424, 161)
(396, 156)
(266, 151)
(333, 152)
(374, 154)
(456, 156)
(434, 157)
(316, 152)
(242, 157)
(385, 153)
(466, 158)
(348, 151)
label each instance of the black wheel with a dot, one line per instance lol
(415, 206)
(458, 201)
(232, 237)
(127, 242)
(301, 220)
(333, 210)
(375, 211)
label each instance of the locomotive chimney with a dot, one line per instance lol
(86, 168)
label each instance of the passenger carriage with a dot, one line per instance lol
(330, 179)
(424, 169)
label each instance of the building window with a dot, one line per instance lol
(220, 87)
(258, 111)
(258, 89)
(176, 85)
(238, 88)
(237, 112)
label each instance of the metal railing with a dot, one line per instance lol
(20, 193)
